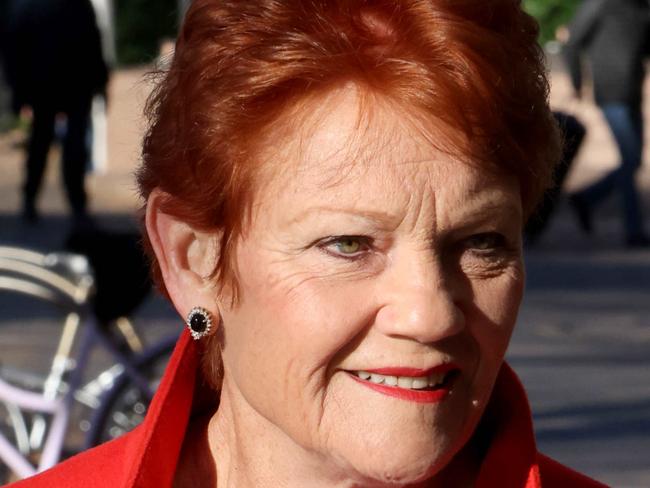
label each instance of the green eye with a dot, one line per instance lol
(348, 245)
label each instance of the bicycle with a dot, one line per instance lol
(37, 411)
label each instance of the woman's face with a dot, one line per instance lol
(379, 285)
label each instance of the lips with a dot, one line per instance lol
(422, 386)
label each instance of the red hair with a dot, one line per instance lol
(473, 67)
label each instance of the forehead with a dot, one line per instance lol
(351, 148)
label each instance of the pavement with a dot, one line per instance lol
(582, 344)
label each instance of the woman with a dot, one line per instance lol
(335, 196)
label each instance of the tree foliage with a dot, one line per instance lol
(551, 14)
(139, 27)
(141, 24)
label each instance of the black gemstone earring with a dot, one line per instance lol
(199, 321)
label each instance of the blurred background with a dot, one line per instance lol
(582, 345)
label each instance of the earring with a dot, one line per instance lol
(199, 321)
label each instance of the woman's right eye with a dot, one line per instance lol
(347, 247)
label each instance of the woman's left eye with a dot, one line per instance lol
(485, 243)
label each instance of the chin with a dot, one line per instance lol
(393, 476)
(401, 464)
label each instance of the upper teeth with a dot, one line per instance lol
(415, 383)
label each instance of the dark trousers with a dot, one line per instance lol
(75, 153)
(626, 124)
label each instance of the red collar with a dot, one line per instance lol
(510, 460)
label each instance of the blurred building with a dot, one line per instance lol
(182, 8)
(105, 14)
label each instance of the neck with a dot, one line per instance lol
(252, 452)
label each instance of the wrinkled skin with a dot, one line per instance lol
(368, 248)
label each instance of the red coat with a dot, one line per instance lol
(147, 456)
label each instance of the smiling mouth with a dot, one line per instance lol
(433, 381)
(430, 388)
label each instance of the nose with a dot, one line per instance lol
(419, 301)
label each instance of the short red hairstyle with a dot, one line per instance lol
(473, 67)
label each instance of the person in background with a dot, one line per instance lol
(573, 134)
(612, 34)
(55, 66)
(5, 112)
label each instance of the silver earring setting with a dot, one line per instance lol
(199, 321)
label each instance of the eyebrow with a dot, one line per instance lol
(388, 220)
(376, 216)
(491, 210)
(491, 206)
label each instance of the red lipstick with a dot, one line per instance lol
(419, 396)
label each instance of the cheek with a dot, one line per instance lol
(496, 304)
(498, 298)
(292, 324)
(289, 330)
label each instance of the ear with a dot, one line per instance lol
(186, 257)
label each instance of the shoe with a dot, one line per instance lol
(583, 212)
(637, 241)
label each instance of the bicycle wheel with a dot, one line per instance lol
(41, 297)
(124, 406)
(12, 427)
